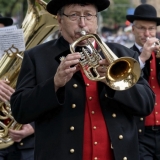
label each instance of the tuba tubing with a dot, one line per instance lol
(38, 25)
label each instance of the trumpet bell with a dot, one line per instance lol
(123, 73)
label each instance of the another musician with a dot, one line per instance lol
(23, 148)
(76, 118)
(145, 22)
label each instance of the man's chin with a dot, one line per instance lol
(143, 41)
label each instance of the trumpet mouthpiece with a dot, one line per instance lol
(83, 33)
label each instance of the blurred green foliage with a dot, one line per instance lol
(14, 7)
(115, 15)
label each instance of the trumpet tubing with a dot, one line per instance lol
(157, 51)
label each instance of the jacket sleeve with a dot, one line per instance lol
(29, 93)
(139, 99)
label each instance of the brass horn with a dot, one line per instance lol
(38, 25)
(158, 50)
(121, 74)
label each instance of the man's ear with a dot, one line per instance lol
(59, 21)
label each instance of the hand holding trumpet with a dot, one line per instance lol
(151, 44)
(69, 65)
(66, 69)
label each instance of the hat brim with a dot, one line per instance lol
(6, 21)
(132, 18)
(54, 5)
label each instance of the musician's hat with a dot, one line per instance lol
(55, 5)
(6, 20)
(144, 12)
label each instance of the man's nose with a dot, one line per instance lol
(147, 32)
(82, 21)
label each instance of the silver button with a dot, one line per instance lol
(75, 85)
(141, 119)
(95, 143)
(90, 98)
(21, 144)
(73, 105)
(94, 127)
(93, 112)
(71, 150)
(72, 128)
(120, 136)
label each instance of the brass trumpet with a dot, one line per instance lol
(157, 43)
(158, 50)
(121, 74)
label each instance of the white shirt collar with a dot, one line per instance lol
(138, 46)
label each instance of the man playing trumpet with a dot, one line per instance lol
(145, 22)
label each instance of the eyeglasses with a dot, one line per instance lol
(75, 17)
(143, 29)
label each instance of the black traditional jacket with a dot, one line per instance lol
(146, 69)
(54, 113)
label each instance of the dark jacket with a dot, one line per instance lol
(146, 69)
(35, 100)
(140, 121)
(146, 73)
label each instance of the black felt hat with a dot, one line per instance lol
(54, 5)
(6, 20)
(144, 12)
